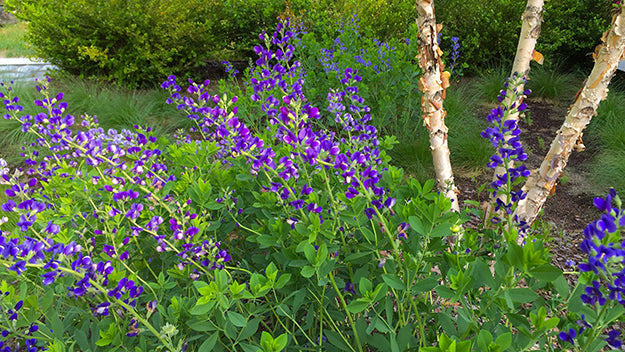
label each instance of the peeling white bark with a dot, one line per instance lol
(542, 182)
(433, 83)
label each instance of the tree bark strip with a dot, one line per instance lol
(433, 83)
(542, 182)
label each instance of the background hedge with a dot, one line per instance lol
(137, 43)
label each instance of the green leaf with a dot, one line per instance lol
(481, 274)
(308, 271)
(271, 272)
(106, 337)
(54, 323)
(246, 347)
(441, 230)
(82, 338)
(546, 273)
(310, 253)
(236, 288)
(282, 281)
(230, 330)
(417, 225)
(445, 292)
(324, 269)
(47, 300)
(357, 255)
(243, 177)
(504, 340)
(424, 285)
(266, 342)
(236, 319)
(200, 325)
(335, 340)
(200, 309)
(393, 342)
(358, 305)
(364, 286)
(266, 241)
(562, 287)
(447, 323)
(393, 281)
(404, 336)
(209, 344)
(368, 234)
(250, 329)
(614, 313)
(484, 339)
(302, 229)
(279, 343)
(522, 295)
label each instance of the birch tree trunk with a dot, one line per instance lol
(530, 30)
(433, 83)
(542, 182)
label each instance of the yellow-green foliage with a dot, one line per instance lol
(12, 40)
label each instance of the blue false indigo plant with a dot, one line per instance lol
(257, 229)
(504, 135)
(602, 279)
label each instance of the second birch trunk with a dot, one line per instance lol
(542, 182)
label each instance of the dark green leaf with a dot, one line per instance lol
(308, 271)
(249, 329)
(522, 295)
(546, 272)
(200, 309)
(417, 225)
(236, 319)
(201, 325)
(210, 342)
(364, 286)
(504, 340)
(424, 285)
(246, 347)
(335, 340)
(484, 339)
(445, 292)
(357, 306)
(562, 287)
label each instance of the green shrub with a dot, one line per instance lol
(571, 30)
(383, 18)
(489, 29)
(136, 43)
(236, 24)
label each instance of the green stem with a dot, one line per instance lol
(349, 316)
(596, 330)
